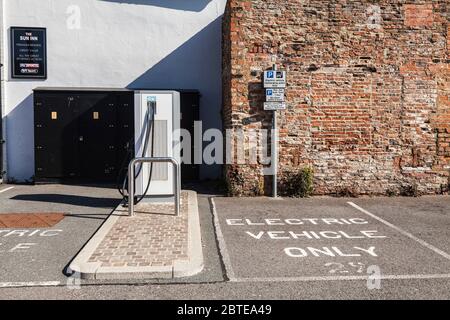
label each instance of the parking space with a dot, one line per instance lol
(46, 226)
(426, 217)
(328, 238)
(260, 239)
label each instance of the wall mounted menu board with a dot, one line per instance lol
(28, 53)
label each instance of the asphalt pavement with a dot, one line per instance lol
(43, 254)
(254, 248)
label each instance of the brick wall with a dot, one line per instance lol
(368, 92)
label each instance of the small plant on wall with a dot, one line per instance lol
(235, 182)
(299, 184)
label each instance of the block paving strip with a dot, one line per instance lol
(155, 243)
(154, 237)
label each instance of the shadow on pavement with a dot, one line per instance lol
(81, 201)
(88, 216)
(208, 187)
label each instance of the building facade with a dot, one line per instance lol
(133, 44)
(367, 95)
(367, 91)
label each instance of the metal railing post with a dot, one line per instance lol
(176, 181)
(176, 186)
(131, 187)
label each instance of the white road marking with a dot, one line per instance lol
(405, 233)
(29, 284)
(6, 189)
(343, 278)
(222, 246)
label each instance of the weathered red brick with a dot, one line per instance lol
(418, 15)
(368, 91)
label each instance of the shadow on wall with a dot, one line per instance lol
(189, 65)
(20, 141)
(196, 64)
(187, 5)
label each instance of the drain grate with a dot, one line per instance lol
(30, 220)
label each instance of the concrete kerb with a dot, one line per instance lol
(183, 268)
(180, 268)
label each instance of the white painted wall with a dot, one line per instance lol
(120, 43)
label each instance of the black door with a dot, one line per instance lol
(56, 148)
(190, 112)
(125, 127)
(97, 136)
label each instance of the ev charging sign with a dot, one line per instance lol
(274, 79)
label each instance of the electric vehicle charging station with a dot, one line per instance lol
(157, 134)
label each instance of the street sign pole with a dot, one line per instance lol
(274, 150)
(275, 86)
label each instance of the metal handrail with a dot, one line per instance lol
(176, 180)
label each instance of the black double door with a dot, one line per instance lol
(82, 135)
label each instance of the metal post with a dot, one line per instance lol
(131, 187)
(176, 181)
(274, 150)
(274, 155)
(176, 186)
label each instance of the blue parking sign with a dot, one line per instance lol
(275, 95)
(274, 79)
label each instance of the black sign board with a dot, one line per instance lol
(28, 53)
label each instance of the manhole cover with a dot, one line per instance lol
(30, 220)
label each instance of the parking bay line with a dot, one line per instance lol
(405, 233)
(6, 189)
(343, 278)
(29, 284)
(221, 241)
